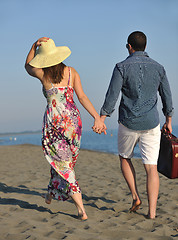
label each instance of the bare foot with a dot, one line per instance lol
(135, 205)
(150, 216)
(47, 197)
(82, 216)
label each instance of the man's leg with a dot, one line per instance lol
(130, 177)
(149, 145)
(152, 188)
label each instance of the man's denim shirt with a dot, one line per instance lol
(139, 78)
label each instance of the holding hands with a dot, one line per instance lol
(99, 125)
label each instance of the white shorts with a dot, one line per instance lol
(149, 143)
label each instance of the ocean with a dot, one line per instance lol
(90, 140)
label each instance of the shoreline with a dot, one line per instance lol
(81, 149)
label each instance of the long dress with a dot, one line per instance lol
(61, 135)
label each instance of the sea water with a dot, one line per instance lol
(90, 140)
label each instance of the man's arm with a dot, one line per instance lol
(112, 93)
(166, 98)
(168, 124)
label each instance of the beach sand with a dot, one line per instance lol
(24, 174)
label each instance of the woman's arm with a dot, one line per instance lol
(35, 72)
(99, 126)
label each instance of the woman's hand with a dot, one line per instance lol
(99, 126)
(42, 39)
(35, 72)
(36, 44)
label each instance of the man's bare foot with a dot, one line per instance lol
(135, 205)
(47, 197)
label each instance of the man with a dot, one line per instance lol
(139, 78)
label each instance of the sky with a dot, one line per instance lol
(96, 31)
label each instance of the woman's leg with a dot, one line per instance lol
(130, 177)
(77, 198)
(48, 197)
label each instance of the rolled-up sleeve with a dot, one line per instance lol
(166, 96)
(112, 93)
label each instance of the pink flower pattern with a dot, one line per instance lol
(62, 129)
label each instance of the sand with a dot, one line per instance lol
(24, 176)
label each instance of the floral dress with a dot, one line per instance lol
(62, 128)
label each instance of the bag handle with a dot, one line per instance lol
(169, 135)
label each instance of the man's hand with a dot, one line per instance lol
(99, 125)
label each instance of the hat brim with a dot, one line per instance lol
(51, 59)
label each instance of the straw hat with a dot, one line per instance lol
(48, 55)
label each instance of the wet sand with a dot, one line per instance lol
(24, 176)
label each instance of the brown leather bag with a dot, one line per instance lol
(168, 155)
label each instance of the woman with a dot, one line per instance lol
(62, 126)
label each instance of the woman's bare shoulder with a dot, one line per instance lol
(72, 69)
(74, 72)
(35, 72)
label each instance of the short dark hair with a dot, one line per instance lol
(137, 40)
